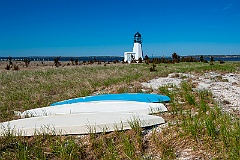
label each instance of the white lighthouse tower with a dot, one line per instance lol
(137, 49)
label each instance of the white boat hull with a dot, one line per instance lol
(81, 123)
(93, 107)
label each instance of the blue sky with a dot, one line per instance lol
(106, 27)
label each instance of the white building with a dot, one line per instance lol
(137, 50)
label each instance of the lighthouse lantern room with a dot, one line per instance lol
(137, 38)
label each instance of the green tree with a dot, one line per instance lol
(176, 57)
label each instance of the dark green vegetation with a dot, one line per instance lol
(197, 124)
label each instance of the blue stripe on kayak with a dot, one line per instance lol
(139, 97)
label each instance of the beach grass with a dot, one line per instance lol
(196, 125)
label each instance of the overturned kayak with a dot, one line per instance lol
(82, 123)
(100, 113)
(138, 97)
(97, 106)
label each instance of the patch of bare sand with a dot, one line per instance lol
(224, 87)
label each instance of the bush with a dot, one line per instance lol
(8, 67)
(152, 69)
(26, 61)
(15, 67)
(221, 62)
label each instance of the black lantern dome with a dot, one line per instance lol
(137, 34)
(137, 38)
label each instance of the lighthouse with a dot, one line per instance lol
(137, 49)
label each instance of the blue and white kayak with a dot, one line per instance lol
(138, 97)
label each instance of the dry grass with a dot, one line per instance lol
(196, 128)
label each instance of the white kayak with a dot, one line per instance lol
(97, 107)
(81, 123)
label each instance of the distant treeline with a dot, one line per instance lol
(193, 58)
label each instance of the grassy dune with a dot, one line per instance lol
(197, 124)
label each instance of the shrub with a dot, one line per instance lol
(7, 67)
(221, 62)
(57, 62)
(26, 61)
(152, 69)
(15, 67)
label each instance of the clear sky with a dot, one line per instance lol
(107, 27)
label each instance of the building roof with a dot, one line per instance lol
(137, 34)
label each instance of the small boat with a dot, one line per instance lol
(138, 97)
(82, 123)
(100, 113)
(97, 106)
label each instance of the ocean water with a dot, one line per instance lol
(222, 58)
(225, 59)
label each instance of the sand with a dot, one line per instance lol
(224, 87)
